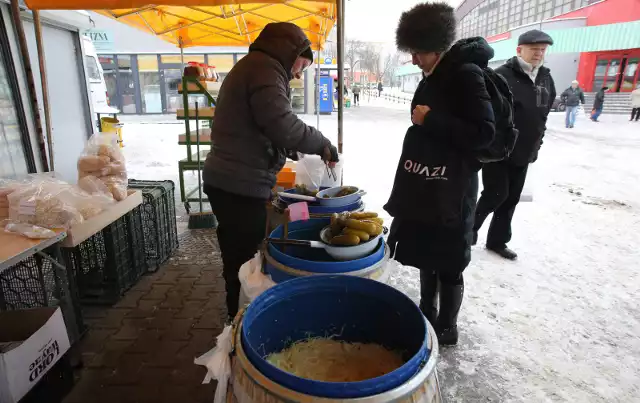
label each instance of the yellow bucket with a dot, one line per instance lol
(112, 125)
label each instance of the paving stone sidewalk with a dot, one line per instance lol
(142, 349)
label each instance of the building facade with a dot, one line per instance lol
(596, 42)
(71, 114)
(142, 72)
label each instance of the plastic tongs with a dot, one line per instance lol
(334, 158)
(331, 172)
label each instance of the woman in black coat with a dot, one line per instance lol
(436, 185)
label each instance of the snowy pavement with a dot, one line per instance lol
(562, 323)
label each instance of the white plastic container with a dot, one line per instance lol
(311, 171)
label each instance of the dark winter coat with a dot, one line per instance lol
(254, 124)
(573, 96)
(531, 105)
(598, 103)
(460, 121)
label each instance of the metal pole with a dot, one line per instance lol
(181, 51)
(45, 86)
(26, 61)
(318, 90)
(340, 17)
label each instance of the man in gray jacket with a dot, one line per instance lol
(254, 130)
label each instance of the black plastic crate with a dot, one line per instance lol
(110, 262)
(159, 220)
(37, 282)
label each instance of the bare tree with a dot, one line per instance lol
(353, 50)
(391, 63)
(370, 59)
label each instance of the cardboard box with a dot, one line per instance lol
(81, 232)
(33, 341)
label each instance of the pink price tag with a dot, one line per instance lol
(298, 212)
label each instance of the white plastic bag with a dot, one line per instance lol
(253, 281)
(218, 364)
(388, 269)
(103, 159)
(312, 172)
(30, 231)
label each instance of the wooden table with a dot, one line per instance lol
(15, 248)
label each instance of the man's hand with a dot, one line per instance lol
(419, 113)
(330, 155)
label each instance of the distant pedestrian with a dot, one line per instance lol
(598, 104)
(572, 97)
(635, 104)
(356, 94)
(533, 95)
(379, 89)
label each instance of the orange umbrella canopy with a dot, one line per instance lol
(189, 23)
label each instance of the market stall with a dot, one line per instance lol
(321, 324)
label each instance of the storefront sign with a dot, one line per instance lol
(326, 95)
(102, 39)
(328, 60)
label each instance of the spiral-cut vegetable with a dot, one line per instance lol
(329, 360)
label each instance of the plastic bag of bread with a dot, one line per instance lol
(117, 186)
(102, 159)
(48, 204)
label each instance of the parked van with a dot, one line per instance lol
(95, 75)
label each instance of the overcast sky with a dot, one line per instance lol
(376, 21)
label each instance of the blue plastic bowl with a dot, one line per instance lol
(311, 259)
(360, 310)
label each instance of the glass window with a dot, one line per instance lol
(109, 69)
(126, 84)
(614, 67)
(297, 95)
(630, 75)
(222, 63)
(12, 156)
(601, 67)
(149, 77)
(176, 59)
(92, 69)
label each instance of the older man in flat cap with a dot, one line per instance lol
(533, 94)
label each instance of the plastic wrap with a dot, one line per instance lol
(218, 363)
(253, 281)
(103, 160)
(30, 231)
(51, 203)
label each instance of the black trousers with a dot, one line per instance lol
(241, 228)
(356, 99)
(503, 183)
(635, 114)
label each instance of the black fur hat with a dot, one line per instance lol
(427, 27)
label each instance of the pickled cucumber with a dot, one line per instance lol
(364, 237)
(378, 228)
(363, 215)
(345, 240)
(370, 228)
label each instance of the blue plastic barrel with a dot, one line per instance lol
(312, 259)
(358, 309)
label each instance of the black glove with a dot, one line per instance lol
(292, 155)
(330, 154)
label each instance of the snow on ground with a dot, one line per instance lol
(562, 323)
